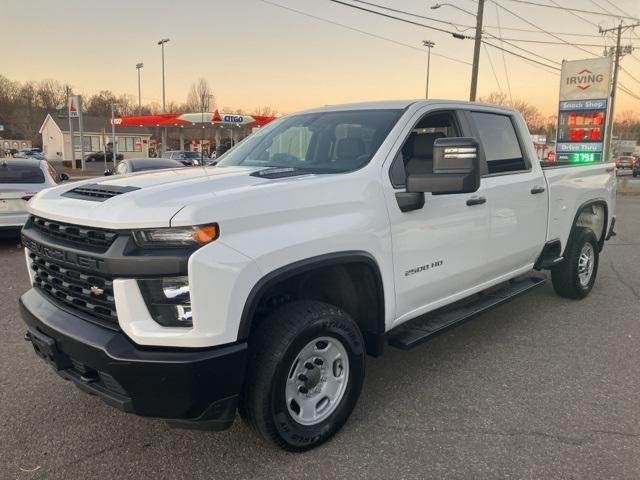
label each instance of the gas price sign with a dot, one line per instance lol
(581, 125)
(582, 113)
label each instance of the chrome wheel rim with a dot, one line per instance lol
(585, 264)
(317, 380)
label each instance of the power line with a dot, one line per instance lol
(627, 91)
(504, 60)
(616, 7)
(590, 12)
(454, 25)
(486, 51)
(629, 73)
(548, 42)
(411, 22)
(502, 40)
(521, 56)
(541, 29)
(364, 32)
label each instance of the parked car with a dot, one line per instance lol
(189, 159)
(20, 179)
(636, 167)
(132, 165)
(624, 162)
(264, 281)
(99, 157)
(29, 153)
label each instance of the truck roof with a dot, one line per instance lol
(399, 104)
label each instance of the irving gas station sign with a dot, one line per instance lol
(585, 86)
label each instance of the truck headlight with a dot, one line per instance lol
(168, 300)
(176, 236)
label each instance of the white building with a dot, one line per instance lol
(56, 139)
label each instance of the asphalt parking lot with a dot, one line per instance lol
(543, 387)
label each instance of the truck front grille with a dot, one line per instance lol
(88, 294)
(96, 238)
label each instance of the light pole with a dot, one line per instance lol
(138, 67)
(205, 97)
(476, 46)
(164, 104)
(429, 44)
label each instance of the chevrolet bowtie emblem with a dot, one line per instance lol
(96, 290)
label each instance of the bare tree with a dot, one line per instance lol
(100, 103)
(265, 111)
(199, 96)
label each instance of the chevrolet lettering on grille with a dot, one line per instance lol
(53, 253)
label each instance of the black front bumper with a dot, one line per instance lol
(193, 387)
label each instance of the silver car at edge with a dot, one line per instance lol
(20, 179)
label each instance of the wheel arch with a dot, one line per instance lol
(593, 214)
(373, 329)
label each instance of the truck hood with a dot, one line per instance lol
(142, 200)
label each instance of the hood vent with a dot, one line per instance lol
(97, 192)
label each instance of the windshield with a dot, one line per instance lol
(320, 142)
(15, 173)
(191, 154)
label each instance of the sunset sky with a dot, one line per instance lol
(254, 53)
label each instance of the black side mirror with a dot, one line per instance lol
(456, 168)
(63, 176)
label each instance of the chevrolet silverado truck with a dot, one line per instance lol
(260, 284)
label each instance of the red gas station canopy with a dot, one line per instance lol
(192, 118)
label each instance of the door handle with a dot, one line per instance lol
(476, 201)
(536, 190)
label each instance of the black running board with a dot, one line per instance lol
(427, 326)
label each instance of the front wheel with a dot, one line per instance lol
(304, 375)
(574, 278)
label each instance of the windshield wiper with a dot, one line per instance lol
(274, 171)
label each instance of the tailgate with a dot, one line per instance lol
(13, 198)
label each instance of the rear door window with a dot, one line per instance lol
(499, 142)
(14, 173)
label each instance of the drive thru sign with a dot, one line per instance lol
(584, 99)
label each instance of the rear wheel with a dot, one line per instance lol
(305, 374)
(574, 278)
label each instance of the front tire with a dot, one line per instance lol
(574, 278)
(304, 376)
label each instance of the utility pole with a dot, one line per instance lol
(476, 51)
(71, 132)
(81, 128)
(139, 67)
(618, 53)
(429, 44)
(164, 104)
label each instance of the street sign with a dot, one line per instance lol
(72, 106)
(582, 111)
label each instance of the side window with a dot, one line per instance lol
(500, 142)
(416, 154)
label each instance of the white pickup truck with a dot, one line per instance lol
(261, 283)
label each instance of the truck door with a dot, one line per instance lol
(514, 187)
(438, 249)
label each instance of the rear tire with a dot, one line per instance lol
(574, 278)
(305, 373)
